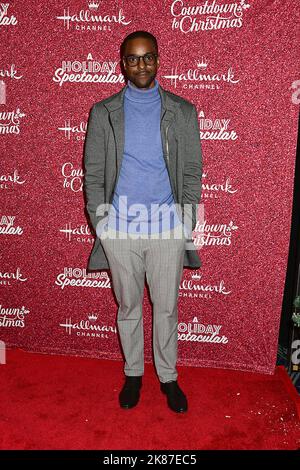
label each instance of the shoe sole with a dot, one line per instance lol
(128, 407)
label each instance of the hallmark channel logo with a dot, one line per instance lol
(13, 317)
(75, 132)
(72, 177)
(88, 328)
(92, 17)
(5, 18)
(78, 277)
(9, 278)
(209, 16)
(8, 226)
(88, 71)
(195, 288)
(80, 233)
(10, 121)
(196, 331)
(212, 189)
(10, 180)
(10, 72)
(201, 77)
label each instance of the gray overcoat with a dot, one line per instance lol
(103, 152)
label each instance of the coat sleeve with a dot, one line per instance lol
(94, 163)
(192, 171)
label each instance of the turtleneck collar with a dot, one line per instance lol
(140, 95)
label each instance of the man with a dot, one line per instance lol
(143, 146)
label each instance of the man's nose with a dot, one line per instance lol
(141, 63)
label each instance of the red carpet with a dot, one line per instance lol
(57, 402)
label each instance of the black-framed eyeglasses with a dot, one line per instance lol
(133, 60)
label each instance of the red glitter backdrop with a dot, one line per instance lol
(238, 62)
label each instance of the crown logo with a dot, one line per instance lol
(196, 276)
(203, 64)
(93, 5)
(92, 317)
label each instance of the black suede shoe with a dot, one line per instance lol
(175, 397)
(130, 393)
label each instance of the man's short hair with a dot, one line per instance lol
(138, 34)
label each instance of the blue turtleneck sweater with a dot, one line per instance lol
(143, 177)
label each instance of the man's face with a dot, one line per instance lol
(141, 75)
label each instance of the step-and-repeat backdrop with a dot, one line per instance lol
(238, 62)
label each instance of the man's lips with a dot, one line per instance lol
(143, 74)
